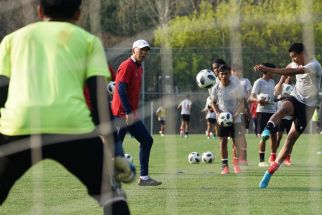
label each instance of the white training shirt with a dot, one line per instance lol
(228, 98)
(307, 85)
(185, 106)
(267, 87)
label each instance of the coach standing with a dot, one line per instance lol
(125, 107)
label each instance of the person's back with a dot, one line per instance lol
(49, 64)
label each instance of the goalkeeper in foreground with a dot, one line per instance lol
(300, 104)
(44, 68)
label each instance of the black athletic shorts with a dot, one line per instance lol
(185, 117)
(235, 130)
(285, 125)
(81, 155)
(262, 119)
(302, 114)
(212, 120)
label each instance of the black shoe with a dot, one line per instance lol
(149, 182)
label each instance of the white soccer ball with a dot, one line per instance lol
(207, 157)
(205, 78)
(287, 89)
(129, 157)
(225, 119)
(263, 96)
(110, 87)
(194, 158)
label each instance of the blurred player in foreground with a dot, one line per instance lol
(301, 103)
(44, 68)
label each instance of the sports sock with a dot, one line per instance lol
(273, 167)
(261, 156)
(146, 177)
(224, 162)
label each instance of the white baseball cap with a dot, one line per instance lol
(140, 44)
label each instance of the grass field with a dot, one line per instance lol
(187, 188)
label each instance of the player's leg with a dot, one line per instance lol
(262, 120)
(223, 141)
(287, 108)
(13, 163)
(142, 135)
(273, 145)
(83, 156)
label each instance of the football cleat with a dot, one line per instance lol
(225, 170)
(288, 161)
(236, 169)
(263, 164)
(265, 180)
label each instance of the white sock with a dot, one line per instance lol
(145, 177)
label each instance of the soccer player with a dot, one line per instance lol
(44, 68)
(185, 106)
(161, 114)
(265, 109)
(226, 96)
(301, 104)
(211, 119)
(246, 88)
(125, 107)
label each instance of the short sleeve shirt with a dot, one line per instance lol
(266, 87)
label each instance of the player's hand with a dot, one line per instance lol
(260, 68)
(124, 170)
(130, 118)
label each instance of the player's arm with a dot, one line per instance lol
(281, 71)
(4, 86)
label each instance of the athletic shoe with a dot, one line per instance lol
(243, 162)
(265, 180)
(265, 134)
(288, 161)
(149, 182)
(186, 136)
(236, 169)
(225, 170)
(263, 164)
(272, 158)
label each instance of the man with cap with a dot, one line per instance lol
(125, 107)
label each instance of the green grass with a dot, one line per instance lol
(187, 188)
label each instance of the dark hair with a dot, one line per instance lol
(297, 48)
(224, 68)
(60, 9)
(270, 65)
(218, 62)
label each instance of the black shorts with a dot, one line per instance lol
(82, 155)
(212, 120)
(235, 130)
(262, 119)
(302, 114)
(162, 121)
(185, 117)
(284, 125)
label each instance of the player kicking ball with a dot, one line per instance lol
(300, 104)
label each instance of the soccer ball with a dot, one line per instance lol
(225, 119)
(194, 157)
(263, 96)
(287, 89)
(129, 157)
(110, 87)
(205, 78)
(208, 157)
